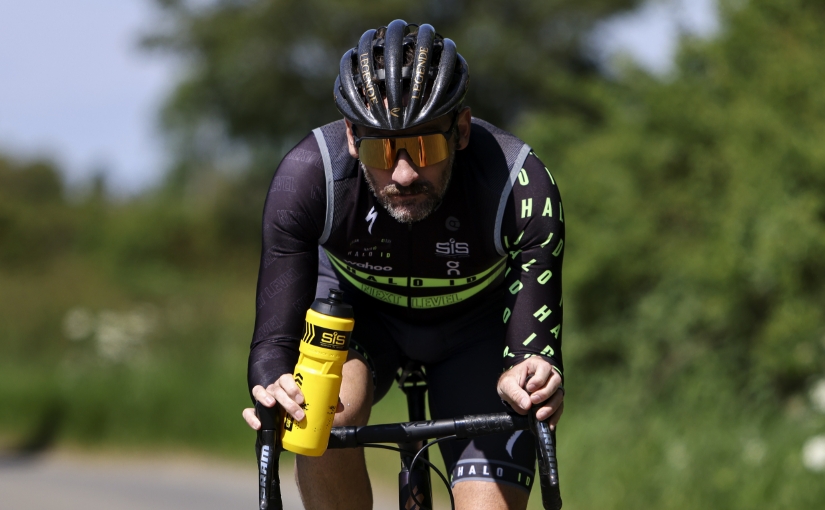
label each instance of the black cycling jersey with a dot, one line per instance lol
(499, 230)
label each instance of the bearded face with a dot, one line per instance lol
(416, 201)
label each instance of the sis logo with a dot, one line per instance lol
(452, 249)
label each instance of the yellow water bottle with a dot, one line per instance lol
(323, 351)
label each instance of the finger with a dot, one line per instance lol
(541, 374)
(554, 420)
(550, 387)
(509, 388)
(290, 388)
(263, 396)
(340, 408)
(289, 405)
(550, 407)
(251, 418)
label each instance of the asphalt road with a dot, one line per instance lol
(80, 482)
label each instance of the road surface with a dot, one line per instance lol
(82, 482)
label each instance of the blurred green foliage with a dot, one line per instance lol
(694, 278)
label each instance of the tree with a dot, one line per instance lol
(262, 71)
(697, 210)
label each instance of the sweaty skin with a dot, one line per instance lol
(532, 357)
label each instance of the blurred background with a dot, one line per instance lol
(137, 140)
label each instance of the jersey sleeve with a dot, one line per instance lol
(533, 236)
(293, 221)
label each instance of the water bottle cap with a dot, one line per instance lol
(333, 305)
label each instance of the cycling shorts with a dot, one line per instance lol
(462, 361)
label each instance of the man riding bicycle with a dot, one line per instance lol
(446, 235)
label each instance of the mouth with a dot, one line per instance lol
(416, 190)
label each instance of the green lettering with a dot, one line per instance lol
(525, 267)
(516, 287)
(526, 207)
(548, 208)
(556, 331)
(542, 313)
(529, 339)
(522, 177)
(543, 277)
(558, 248)
(507, 314)
(542, 245)
(549, 175)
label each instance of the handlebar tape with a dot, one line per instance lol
(478, 425)
(268, 450)
(548, 466)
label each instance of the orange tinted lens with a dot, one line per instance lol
(377, 153)
(423, 150)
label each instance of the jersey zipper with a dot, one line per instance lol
(409, 269)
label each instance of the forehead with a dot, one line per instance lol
(440, 124)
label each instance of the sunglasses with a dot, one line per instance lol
(424, 149)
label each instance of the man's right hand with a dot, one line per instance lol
(285, 392)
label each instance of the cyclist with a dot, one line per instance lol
(446, 234)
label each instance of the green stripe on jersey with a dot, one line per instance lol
(487, 277)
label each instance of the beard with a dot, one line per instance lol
(414, 209)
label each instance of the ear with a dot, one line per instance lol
(464, 123)
(353, 151)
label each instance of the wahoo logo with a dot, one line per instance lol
(367, 265)
(371, 218)
(452, 249)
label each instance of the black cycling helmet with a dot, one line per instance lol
(436, 78)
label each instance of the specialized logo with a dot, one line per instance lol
(371, 218)
(452, 249)
(452, 224)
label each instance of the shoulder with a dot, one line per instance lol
(306, 153)
(332, 144)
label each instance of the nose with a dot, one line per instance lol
(404, 172)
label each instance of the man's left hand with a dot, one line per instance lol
(530, 383)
